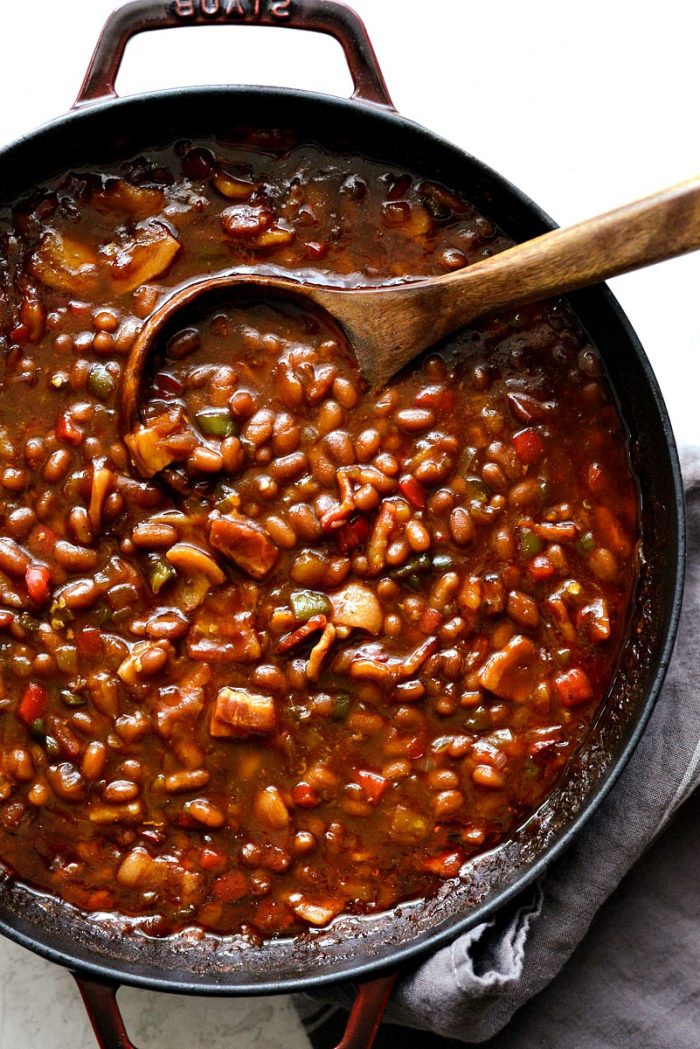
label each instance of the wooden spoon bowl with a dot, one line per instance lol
(387, 326)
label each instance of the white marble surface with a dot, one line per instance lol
(583, 106)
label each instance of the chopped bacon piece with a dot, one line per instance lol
(594, 620)
(245, 542)
(238, 713)
(315, 912)
(295, 637)
(231, 887)
(517, 651)
(356, 606)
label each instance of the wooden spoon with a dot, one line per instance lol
(388, 326)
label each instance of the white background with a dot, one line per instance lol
(582, 105)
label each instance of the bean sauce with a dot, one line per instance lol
(291, 649)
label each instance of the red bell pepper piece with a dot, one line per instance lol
(88, 641)
(33, 703)
(352, 535)
(446, 865)
(529, 446)
(305, 795)
(439, 398)
(212, 859)
(69, 431)
(573, 687)
(372, 784)
(413, 491)
(541, 568)
(38, 580)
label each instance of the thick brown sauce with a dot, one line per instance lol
(309, 650)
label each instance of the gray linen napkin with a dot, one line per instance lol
(470, 989)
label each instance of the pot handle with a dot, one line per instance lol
(319, 16)
(100, 1000)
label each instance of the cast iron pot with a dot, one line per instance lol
(367, 951)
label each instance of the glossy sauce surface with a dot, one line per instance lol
(291, 650)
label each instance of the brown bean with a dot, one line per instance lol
(304, 520)
(443, 590)
(154, 535)
(367, 498)
(282, 533)
(20, 765)
(285, 434)
(206, 460)
(345, 392)
(289, 467)
(39, 794)
(81, 594)
(34, 452)
(93, 761)
(418, 536)
(461, 525)
(523, 609)
(415, 420)
(75, 558)
(603, 564)
(447, 803)
(442, 779)
(80, 526)
(525, 493)
(136, 868)
(57, 466)
(330, 417)
(494, 477)
(489, 777)
(15, 479)
(233, 455)
(321, 466)
(242, 404)
(167, 624)
(120, 791)
(367, 444)
(388, 464)
(105, 320)
(186, 779)
(21, 521)
(259, 427)
(340, 446)
(14, 561)
(503, 543)
(204, 812)
(183, 343)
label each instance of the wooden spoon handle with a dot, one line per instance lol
(388, 327)
(658, 227)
